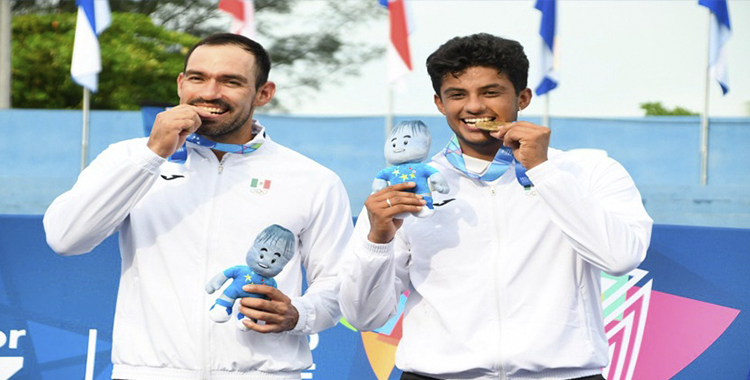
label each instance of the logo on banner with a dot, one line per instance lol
(625, 309)
(648, 333)
(10, 365)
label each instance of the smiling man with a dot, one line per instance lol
(504, 277)
(188, 202)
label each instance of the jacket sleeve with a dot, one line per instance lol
(102, 197)
(373, 278)
(599, 210)
(321, 247)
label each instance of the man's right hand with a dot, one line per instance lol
(172, 127)
(383, 205)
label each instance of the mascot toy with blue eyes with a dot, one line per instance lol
(406, 147)
(271, 251)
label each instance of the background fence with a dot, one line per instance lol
(40, 156)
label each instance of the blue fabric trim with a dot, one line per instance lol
(224, 303)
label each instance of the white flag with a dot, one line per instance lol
(93, 18)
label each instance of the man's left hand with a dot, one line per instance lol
(277, 312)
(528, 141)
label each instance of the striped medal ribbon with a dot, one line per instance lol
(180, 155)
(499, 165)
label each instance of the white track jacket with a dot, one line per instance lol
(179, 225)
(504, 281)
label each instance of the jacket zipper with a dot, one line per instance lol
(211, 243)
(499, 239)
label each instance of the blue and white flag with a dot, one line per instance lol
(547, 32)
(93, 18)
(720, 32)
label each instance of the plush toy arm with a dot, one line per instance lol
(438, 183)
(379, 184)
(216, 282)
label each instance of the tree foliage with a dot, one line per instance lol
(657, 109)
(312, 44)
(140, 62)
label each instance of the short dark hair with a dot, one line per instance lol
(482, 49)
(262, 59)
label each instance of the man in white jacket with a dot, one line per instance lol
(504, 277)
(188, 202)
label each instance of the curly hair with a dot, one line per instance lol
(481, 49)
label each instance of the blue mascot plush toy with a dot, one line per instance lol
(271, 251)
(406, 147)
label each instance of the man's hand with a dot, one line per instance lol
(384, 205)
(528, 141)
(277, 312)
(172, 127)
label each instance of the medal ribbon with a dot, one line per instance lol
(180, 155)
(499, 165)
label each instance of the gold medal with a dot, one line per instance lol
(490, 125)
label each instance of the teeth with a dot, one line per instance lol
(212, 110)
(478, 119)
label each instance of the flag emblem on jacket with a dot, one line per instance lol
(260, 186)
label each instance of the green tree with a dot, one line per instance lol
(310, 46)
(657, 109)
(140, 62)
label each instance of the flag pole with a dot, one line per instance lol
(704, 117)
(5, 54)
(545, 118)
(85, 129)
(389, 111)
